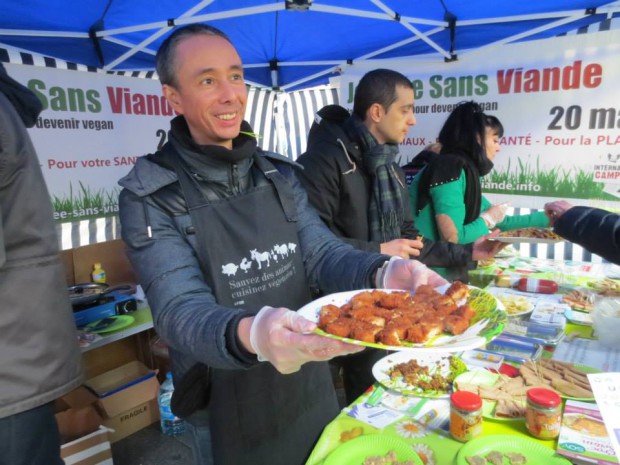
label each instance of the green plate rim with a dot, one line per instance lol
(125, 320)
(495, 443)
(356, 445)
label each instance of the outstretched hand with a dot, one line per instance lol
(554, 210)
(408, 275)
(485, 249)
(281, 337)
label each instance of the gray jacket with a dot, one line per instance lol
(185, 312)
(39, 354)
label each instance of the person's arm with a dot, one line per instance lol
(449, 200)
(534, 219)
(596, 230)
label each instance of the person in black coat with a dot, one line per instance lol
(594, 229)
(353, 181)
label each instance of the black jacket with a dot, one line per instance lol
(339, 188)
(596, 230)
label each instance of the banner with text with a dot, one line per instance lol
(558, 100)
(92, 129)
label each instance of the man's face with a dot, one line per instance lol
(491, 143)
(210, 91)
(394, 123)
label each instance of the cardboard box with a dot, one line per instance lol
(92, 449)
(128, 397)
(76, 414)
(111, 254)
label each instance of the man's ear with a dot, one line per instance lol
(172, 96)
(375, 112)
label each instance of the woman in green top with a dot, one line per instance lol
(446, 195)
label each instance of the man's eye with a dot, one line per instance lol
(237, 77)
(207, 81)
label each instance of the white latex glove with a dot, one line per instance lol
(407, 274)
(494, 214)
(280, 336)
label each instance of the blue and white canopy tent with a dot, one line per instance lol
(288, 44)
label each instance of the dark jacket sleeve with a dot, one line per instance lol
(596, 230)
(321, 180)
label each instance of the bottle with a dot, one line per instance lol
(171, 425)
(98, 274)
(543, 413)
(465, 415)
(540, 286)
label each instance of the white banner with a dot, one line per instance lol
(93, 127)
(559, 102)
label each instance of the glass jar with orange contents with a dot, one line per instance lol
(543, 414)
(465, 415)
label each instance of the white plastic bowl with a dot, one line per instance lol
(606, 322)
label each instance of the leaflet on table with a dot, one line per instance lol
(547, 319)
(606, 389)
(588, 352)
(583, 437)
(433, 413)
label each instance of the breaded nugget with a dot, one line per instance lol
(465, 311)
(340, 327)
(363, 331)
(454, 324)
(329, 313)
(458, 291)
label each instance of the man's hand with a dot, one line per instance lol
(403, 248)
(280, 336)
(408, 275)
(554, 210)
(485, 249)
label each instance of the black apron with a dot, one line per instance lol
(249, 252)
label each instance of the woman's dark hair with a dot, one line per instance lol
(166, 55)
(465, 129)
(495, 125)
(378, 86)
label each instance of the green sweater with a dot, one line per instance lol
(448, 199)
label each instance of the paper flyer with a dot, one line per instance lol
(606, 388)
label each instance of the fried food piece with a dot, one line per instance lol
(425, 289)
(329, 313)
(495, 457)
(458, 291)
(424, 330)
(454, 324)
(515, 458)
(465, 311)
(341, 327)
(571, 389)
(363, 331)
(475, 460)
(394, 300)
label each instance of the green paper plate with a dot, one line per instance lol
(535, 452)
(355, 451)
(120, 322)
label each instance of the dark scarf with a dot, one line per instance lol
(447, 167)
(385, 208)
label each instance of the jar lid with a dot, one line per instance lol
(465, 400)
(543, 397)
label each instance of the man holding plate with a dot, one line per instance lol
(226, 248)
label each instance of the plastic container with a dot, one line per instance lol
(543, 413)
(98, 274)
(171, 425)
(540, 286)
(606, 322)
(465, 415)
